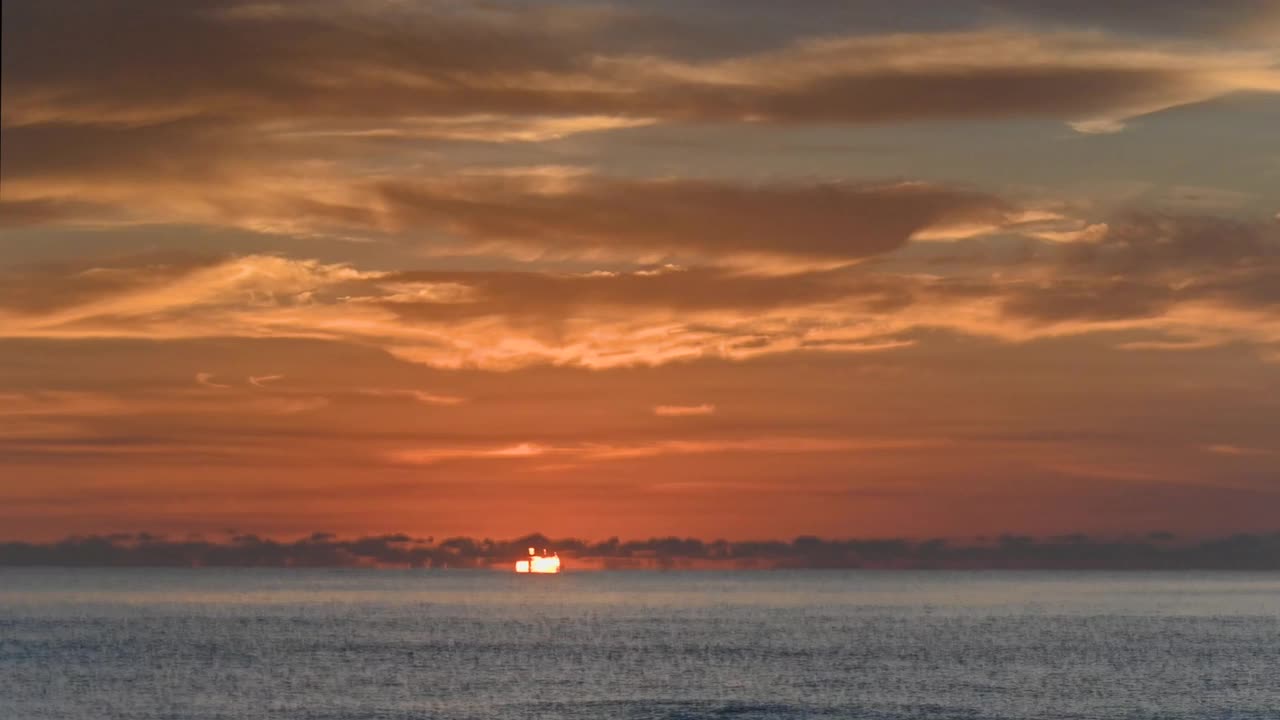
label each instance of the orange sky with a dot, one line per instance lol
(638, 269)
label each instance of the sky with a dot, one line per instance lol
(736, 269)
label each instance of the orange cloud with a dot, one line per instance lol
(1199, 284)
(684, 410)
(206, 379)
(562, 61)
(1235, 450)
(595, 452)
(426, 398)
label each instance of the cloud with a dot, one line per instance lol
(1094, 300)
(69, 409)
(33, 290)
(1161, 271)
(144, 426)
(1184, 282)
(206, 379)
(539, 214)
(1235, 450)
(422, 296)
(1140, 244)
(598, 452)
(117, 297)
(323, 120)
(712, 221)
(430, 456)
(282, 122)
(319, 120)
(421, 396)
(264, 380)
(478, 128)
(294, 405)
(683, 410)
(1073, 551)
(335, 61)
(42, 211)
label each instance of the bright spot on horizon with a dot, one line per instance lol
(539, 564)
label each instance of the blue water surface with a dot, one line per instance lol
(240, 644)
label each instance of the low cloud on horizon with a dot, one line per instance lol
(1150, 551)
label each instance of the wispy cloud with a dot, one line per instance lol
(1186, 282)
(683, 410)
(421, 396)
(461, 65)
(206, 379)
(600, 452)
(1236, 450)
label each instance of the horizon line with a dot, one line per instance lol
(1154, 550)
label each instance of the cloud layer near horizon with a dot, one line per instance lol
(1155, 551)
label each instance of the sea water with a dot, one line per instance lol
(238, 644)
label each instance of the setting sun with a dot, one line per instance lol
(543, 563)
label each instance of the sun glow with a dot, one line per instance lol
(539, 563)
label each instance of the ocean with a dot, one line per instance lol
(239, 644)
